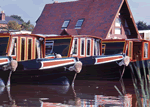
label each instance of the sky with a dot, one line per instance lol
(32, 9)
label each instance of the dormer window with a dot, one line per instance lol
(65, 24)
(79, 24)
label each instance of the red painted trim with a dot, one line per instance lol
(108, 59)
(3, 60)
(46, 64)
(50, 57)
(92, 47)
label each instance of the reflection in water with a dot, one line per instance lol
(83, 94)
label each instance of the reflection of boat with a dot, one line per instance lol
(63, 96)
(88, 49)
(24, 54)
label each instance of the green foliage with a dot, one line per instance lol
(13, 25)
(27, 26)
(142, 25)
(17, 17)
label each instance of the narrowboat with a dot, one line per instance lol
(22, 60)
(87, 49)
(137, 50)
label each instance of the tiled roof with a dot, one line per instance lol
(3, 22)
(98, 14)
(8, 18)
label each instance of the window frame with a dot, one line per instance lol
(118, 27)
(144, 50)
(81, 47)
(87, 47)
(28, 47)
(64, 24)
(24, 48)
(77, 26)
(74, 47)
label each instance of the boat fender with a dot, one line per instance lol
(14, 65)
(58, 56)
(125, 61)
(76, 67)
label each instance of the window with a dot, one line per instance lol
(96, 47)
(88, 47)
(145, 50)
(14, 51)
(103, 48)
(82, 46)
(22, 48)
(79, 23)
(65, 24)
(29, 48)
(75, 46)
(118, 26)
(49, 47)
(118, 22)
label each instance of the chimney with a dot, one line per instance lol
(55, 2)
(2, 15)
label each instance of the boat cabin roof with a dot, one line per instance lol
(72, 36)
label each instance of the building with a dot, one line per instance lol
(5, 19)
(145, 34)
(108, 19)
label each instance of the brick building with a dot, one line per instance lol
(103, 18)
(5, 19)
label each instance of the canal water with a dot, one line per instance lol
(84, 94)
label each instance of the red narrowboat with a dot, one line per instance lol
(25, 55)
(89, 50)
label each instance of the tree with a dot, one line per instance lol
(17, 17)
(13, 25)
(27, 26)
(142, 25)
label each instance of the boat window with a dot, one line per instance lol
(22, 48)
(29, 48)
(14, 44)
(96, 47)
(75, 46)
(103, 49)
(49, 47)
(114, 47)
(145, 50)
(60, 46)
(3, 45)
(82, 46)
(38, 46)
(88, 46)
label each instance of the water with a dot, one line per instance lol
(84, 94)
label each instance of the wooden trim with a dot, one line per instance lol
(130, 49)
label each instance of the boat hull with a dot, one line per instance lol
(102, 70)
(34, 72)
